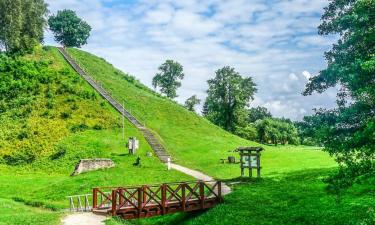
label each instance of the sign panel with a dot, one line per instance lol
(253, 160)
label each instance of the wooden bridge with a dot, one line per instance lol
(151, 200)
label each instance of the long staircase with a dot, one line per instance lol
(149, 136)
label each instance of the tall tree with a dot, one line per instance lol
(69, 29)
(191, 102)
(168, 79)
(228, 96)
(258, 113)
(22, 24)
(349, 130)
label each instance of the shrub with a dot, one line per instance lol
(65, 115)
(80, 127)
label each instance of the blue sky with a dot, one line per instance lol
(275, 42)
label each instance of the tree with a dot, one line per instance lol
(191, 102)
(228, 96)
(258, 113)
(275, 131)
(168, 78)
(22, 24)
(68, 29)
(349, 129)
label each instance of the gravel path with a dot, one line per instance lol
(83, 219)
(225, 189)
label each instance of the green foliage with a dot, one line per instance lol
(188, 136)
(275, 131)
(308, 130)
(249, 132)
(228, 95)
(258, 113)
(191, 102)
(69, 29)
(21, 24)
(348, 132)
(39, 95)
(168, 79)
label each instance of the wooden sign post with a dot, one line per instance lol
(249, 158)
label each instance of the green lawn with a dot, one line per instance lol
(188, 136)
(14, 213)
(292, 189)
(46, 182)
(297, 198)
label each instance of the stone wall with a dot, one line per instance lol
(92, 164)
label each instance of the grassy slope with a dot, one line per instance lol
(188, 136)
(47, 182)
(283, 201)
(292, 191)
(10, 214)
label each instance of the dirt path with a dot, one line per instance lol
(83, 219)
(200, 176)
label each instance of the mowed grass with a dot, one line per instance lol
(14, 213)
(190, 139)
(297, 198)
(46, 182)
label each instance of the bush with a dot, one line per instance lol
(65, 115)
(61, 151)
(249, 132)
(78, 128)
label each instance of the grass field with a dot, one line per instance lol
(291, 191)
(188, 136)
(297, 198)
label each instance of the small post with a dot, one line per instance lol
(201, 193)
(250, 168)
(219, 191)
(95, 198)
(163, 197)
(139, 202)
(169, 163)
(258, 164)
(183, 190)
(123, 120)
(144, 187)
(242, 165)
(114, 202)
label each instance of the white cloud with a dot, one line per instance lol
(306, 74)
(269, 40)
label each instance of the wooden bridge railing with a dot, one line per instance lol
(151, 200)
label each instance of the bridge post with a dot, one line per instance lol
(201, 193)
(94, 198)
(144, 187)
(183, 190)
(163, 197)
(219, 191)
(114, 202)
(139, 202)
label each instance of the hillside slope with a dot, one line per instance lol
(50, 119)
(190, 139)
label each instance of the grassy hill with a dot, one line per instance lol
(50, 118)
(190, 139)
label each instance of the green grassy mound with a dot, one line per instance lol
(50, 118)
(190, 139)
